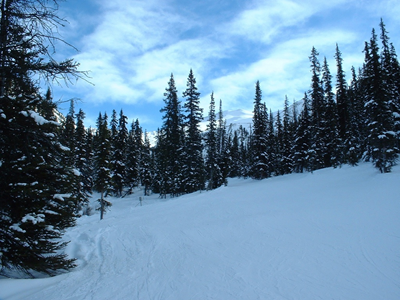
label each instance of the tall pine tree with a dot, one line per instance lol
(193, 169)
(33, 212)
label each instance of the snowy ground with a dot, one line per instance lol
(334, 234)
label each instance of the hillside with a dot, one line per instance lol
(333, 234)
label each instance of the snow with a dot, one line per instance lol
(37, 117)
(333, 234)
(33, 218)
(17, 228)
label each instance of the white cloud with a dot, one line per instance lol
(134, 46)
(263, 22)
(284, 71)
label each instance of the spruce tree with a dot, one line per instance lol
(133, 148)
(171, 143)
(302, 140)
(332, 145)
(82, 163)
(146, 166)
(235, 155)
(259, 143)
(119, 155)
(244, 151)
(68, 135)
(211, 162)
(342, 98)
(391, 78)
(382, 150)
(102, 165)
(271, 144)
(193, 171)
(33, 214)
(278, 149)
(222, 149)
(287, 140)
(317, 114)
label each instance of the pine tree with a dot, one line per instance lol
(171, 143)
(395, 88)
(332, 145)
(33, 214)
(391, 79)
(211, 163)
(193, 172)
(82, 165)
(68, 135)
(382, 148)
(271, 144)
(134, 145)
(278, 149)
(342, 98)
(235, 155)
(71, 159)
(222, 154)
(160, 166)
(119, 154)
(287, 140)
(244, 152)
(102, 157)
(302, 141)
(147, 166)
(259, 143)
(317, 116)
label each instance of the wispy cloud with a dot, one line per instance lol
(132, 47)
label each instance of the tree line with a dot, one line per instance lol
(358, 122)
(50, 164)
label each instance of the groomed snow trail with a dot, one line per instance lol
(334, 234)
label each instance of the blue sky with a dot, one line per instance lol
(131, 47)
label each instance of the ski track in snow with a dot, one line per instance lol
(333, 234)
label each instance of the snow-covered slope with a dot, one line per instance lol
(333, 234)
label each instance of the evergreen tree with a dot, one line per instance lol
(244, 151)
(332, 144)
(317, 116)
(235, 156)
(342, 98)
(211, 163)
(119, 155)
(171, 143)
(287, 140)
(134, 141)
(68, 135)
(138, 149)
(160, 166)
(302, 141)
(382, 148)
(222, 148)
(271, 144)
(102, 157)
(395, 88)
(113, 142)
(278, 149)
(391, 79)
(259, 143)
(193, 171)
(147, 166)
(33, 215)
(82, 165)
(352, 146)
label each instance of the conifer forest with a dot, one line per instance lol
(50, 164)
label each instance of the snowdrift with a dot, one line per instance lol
(333, 234)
